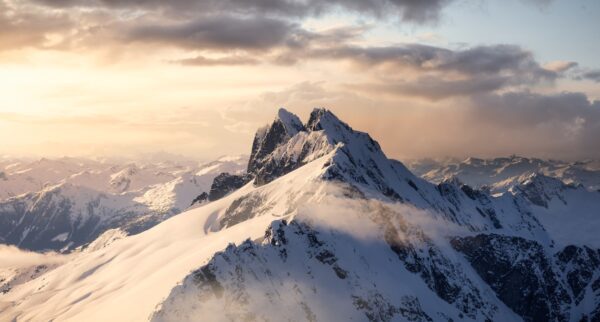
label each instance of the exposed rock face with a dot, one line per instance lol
(266, 165)
(201, 198)
(225, 183)
(422, 257)
(536, 285)
(268, 138)
(579, 266)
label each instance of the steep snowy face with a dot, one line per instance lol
(290, 122)
(338, 259)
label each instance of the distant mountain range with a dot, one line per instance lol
(62, 204)
(500, 174)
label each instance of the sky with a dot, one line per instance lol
(431, 78)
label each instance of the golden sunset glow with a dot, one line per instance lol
(104, 80)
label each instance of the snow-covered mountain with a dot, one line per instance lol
(329, 229)
(73, 201)
(500, 174)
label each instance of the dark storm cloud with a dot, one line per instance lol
(216, 32)
(593, 75)
(415, 11)
(488, 60)
(441, 72)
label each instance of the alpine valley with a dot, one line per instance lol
(319, 226)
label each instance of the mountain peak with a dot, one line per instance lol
(287, 144)
(355, 157)
(290, 122)
(324, 119)
(540, 189)
(268, 139)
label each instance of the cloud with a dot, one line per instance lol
(560, 66)
(593, 75)
(217, 32)
(220, 61)
(434, 88)
(424, 11)
(487, 60)
(247, 23)
(13, 257)
(565, 124)
(436, 72)
(535, 110)
(26, 27)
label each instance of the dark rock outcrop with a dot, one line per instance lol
(262, 165)
(201, 198)
(225, 183)
(520, 273)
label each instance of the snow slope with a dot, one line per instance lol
(101, 285)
